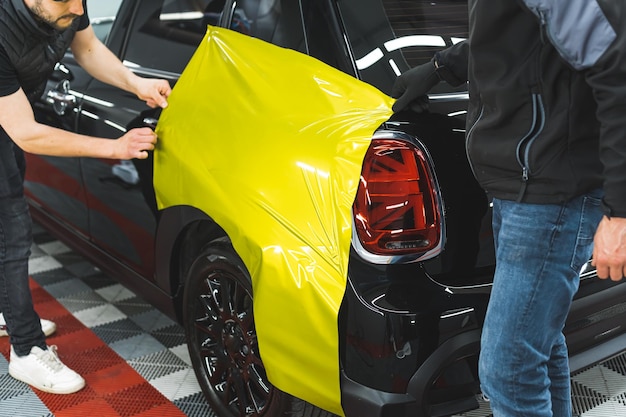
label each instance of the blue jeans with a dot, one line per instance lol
(15, 298)
(540, 249)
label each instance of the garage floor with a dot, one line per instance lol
(135, 361)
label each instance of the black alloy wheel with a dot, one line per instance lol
(221, 337)
(222, 341)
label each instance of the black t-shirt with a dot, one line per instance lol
(9, 82)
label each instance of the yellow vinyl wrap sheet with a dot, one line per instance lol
(269, 142)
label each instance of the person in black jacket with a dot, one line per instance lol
(34, 35)
(546, 138)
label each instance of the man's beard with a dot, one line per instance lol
(59, 24)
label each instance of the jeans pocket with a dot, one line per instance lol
(590, 216)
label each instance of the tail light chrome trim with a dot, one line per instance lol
(398, 212)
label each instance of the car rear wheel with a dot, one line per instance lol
(222, 341)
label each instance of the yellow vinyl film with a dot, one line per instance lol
(269, 143)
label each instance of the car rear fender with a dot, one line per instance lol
(181, 234)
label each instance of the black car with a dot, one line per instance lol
(418, 279)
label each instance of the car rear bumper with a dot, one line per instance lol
(360, 400)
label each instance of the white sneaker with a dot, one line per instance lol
(47, 326)
(44, 370)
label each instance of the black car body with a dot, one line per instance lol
(410, 320)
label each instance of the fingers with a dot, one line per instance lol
(164, 91)
(159, 97)
(609, 251)
(399, 92)
(614, 272)
(137, 142)
(413, 85)
(399, 86)
(417, 104)
(156, 92)
(399, 105)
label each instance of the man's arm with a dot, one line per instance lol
(103, 65)
(18, 120)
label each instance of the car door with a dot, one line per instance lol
(161, 38)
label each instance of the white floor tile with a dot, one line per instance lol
(100, 315)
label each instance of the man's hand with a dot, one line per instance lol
(410, 88)
(136, 143)
(153, 91)
(609, 248)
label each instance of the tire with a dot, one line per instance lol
(222, 341)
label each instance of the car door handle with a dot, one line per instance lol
(60, 98)
(150, 122)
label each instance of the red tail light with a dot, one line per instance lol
(397, 210)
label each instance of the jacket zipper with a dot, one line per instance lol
(545, 30)
(525, 144)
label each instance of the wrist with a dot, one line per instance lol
(444, 73)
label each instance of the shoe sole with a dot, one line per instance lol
(59, 390)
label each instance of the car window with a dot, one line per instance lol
(390, 36)
(325, 40)
(441, 23)
(275, 21)
(102, 15)
(167, 32)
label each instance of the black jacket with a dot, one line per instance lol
(547, 83)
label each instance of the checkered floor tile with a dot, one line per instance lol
(135, 360)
